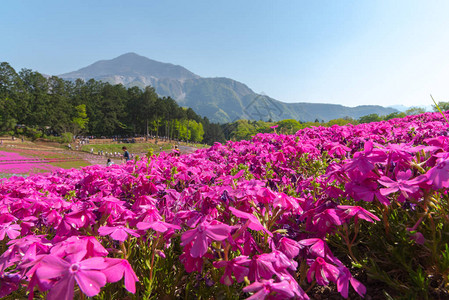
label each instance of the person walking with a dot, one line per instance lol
(125, 154)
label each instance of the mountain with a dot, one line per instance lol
(220, 99)
(403, 108)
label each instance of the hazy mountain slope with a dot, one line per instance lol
(219, 99)
(130, 67)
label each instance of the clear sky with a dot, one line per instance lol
(346, 52)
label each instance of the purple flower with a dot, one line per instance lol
(203, 234)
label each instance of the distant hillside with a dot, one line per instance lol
(220, 99)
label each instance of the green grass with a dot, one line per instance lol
(135, 148)
(71, 164)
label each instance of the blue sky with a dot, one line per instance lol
(345, 52)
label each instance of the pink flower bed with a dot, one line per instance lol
(11, 162)
(248, 219)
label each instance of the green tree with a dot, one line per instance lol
(370, 118)
(415, 111)
(394, 115)
(80, 120)
(444, 106)
(37, 97)
(197, 131)
(288, 126)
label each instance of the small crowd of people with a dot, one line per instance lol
(126, 157)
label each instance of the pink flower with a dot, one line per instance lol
(253, 222)
(192, 264)
(234, 266)
(158, 226)
(118, 233)
(317, 247)
(289, 247)
(117, 268)
(322, 271)
(87, 273)
(261, 266)
(13, 231)
(280, 290)
(356, 212)
(439, 175)
(403, 184)
(343, 281)
(9, 283)
(203, 234)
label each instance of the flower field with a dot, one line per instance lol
(361, 209)
(15, 163)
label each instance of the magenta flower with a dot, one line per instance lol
(77, 248)
(203, 234)
(253, 222)
(235, 266)
(117, 268)
(118, 233)
(356, 212)
(322, 271)
(158, 226)
(87, 274)
(11, 230)
(438, 176)
(289, 247)
(9, 282)
(343, 281)
(403, 184)
(261, 267)
(192, 264)
(264, 288)
(317, 247)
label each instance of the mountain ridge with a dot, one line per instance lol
(220, 99)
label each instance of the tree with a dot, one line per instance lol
(288, 126)
(370, 118)
(37, 97)
(394, 115)
(444, 106)
(415, 111)
(80, 120)
(197, 131)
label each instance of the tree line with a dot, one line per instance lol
(245, 129)
(35, 105)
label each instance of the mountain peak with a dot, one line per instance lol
(131, 65)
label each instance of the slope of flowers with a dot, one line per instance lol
(15, 163)
(254, 219)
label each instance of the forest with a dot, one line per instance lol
(34, 105)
